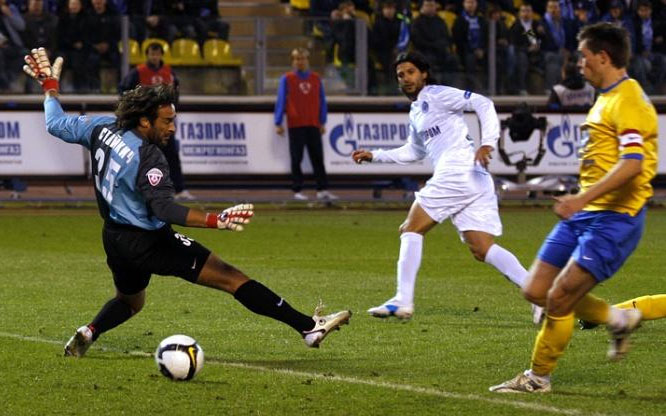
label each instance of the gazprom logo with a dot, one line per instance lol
(563, 140)
(371, 135)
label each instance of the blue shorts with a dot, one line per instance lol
(599, 241)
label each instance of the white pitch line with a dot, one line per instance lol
(345, 379)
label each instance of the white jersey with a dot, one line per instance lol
(438, 131)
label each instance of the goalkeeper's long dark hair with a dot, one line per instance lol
(142, 101)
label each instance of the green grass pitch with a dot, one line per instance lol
(471, 329)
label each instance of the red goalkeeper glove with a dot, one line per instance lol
(39, 68)
(231, 218)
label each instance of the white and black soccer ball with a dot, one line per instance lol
(179, 357)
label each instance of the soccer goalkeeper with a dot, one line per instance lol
(135, 197)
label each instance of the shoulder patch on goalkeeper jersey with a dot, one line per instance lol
(154, 176)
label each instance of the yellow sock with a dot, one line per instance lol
(551, 342)
(652, 307)
(592, 309)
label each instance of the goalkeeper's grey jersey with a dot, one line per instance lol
(128, 171)
(438, 130)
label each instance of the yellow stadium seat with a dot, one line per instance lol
(218, 52)
(300, 4)
(186, 52)
(509, 18)
(365, 17)
(135, 56)
(167, 58)
(449, 18)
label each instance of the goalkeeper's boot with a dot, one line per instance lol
(324, 324)
(392, 308)
(79, 343)
(522, 383)
(619, 342)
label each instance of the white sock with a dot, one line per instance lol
(616, 318)
(411, 247)
(539, 379)
(507, 264)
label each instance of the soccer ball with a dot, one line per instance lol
(179, 357)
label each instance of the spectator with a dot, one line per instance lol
(525, 36)
(573, 93)
(103, 33)
(470, 34)
(41, 29)
(198, 19)
(384, 38)
(431, 38)
(12, 47)
(301, 96)
(504, 62)
(344, 30)
(149, 20)
(153, 72)
(558, 40)
(617, 16)
(648, 62)
(73, 45)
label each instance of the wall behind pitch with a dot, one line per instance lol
(246, 143)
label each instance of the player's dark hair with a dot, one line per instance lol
(418, 61)
(607, 37)
(142, 101)
(155, 47)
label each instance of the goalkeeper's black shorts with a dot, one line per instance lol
(134, 254)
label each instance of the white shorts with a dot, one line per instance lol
(468, 198)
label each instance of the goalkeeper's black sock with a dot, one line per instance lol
(114, 313)
(263, 301)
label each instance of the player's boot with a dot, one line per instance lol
(538, 314)
(585, 325)
(79, 343)
(522, 383)
(619, 342)
(324, 324)
(392, 308)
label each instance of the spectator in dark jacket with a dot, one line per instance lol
(430, 37)
(103, 33)
(384, 38)
(73, 45)
(557, 43)
(525, 37)
(40, 29)
(648, 62)
(470, 34)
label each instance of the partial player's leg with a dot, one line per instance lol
(417, 224)
(263, 301)
(569, 287)
(116, 311)
(296, 146)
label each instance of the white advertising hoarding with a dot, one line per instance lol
(246, 143)
(27, 149)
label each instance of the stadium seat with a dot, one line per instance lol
(509, 19)
(300, 4)
(135, 56)
(449, 18)
(186, 52)
(168, 59)
(218, 52)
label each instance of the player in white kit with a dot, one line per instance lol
(460, 188)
